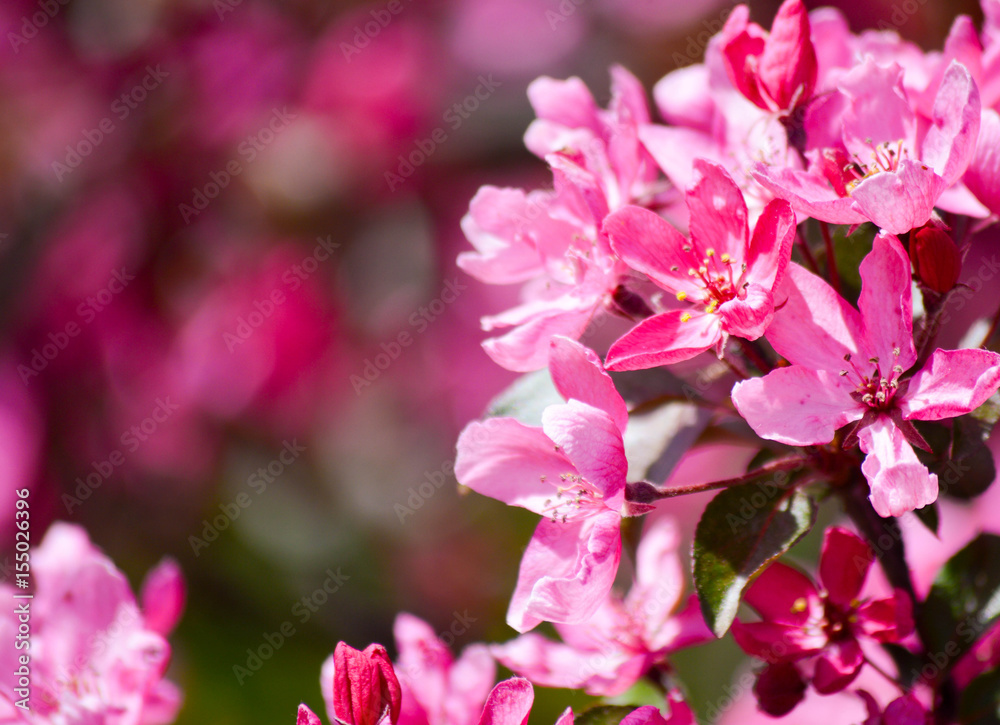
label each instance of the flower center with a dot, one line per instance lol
(884, 157)
(574, 494)
(714, 275)
(875, 389)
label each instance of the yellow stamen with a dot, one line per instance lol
(725, 258)
(682, 296)
(799, 605)
(685, 317)
(710, 252)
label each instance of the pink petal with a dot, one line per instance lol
(879, 110)
(592, 442)
(902, 200)
(526, 347)
(551, 664)
(777, 642)
(718, 213)
(574, 174)
(511, 462)
(788, 63)
(567, 571)
(785, 595)
(469, 682)
(566, 718)
(796, 405)
(578, 375)
(509, 703)
(813, 326)
(844, 565)
(649, 715)
(684, 98)
(887, 620)
(628, 96)
(423, 663)
(905, 710)
(898, 481)
(741, 54)
(837, 667)
(664, 339)
(951, 383)
(750, 316)
(163, 595)
(675, 149)
(566, 102)
(808, 193)
(678, 631)
(951, 140)
(983, 176)
(886, 304)
(496, 225)
(771, 245)
(648, 244)
(306, 717)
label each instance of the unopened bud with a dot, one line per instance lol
(365, 688)
(779, 689)
(936, 259)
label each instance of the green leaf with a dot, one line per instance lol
(526, 398)
(604, 715)
(960, 458)
(962, 603)
(980, 703)
(742, 530)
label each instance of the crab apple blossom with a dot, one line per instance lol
(363, 688)
(724, 277)
(886, 167)
(806, 625)
(853, 366)
(627, 636)
(571, 470)
(96, 656)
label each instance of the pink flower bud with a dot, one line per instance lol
(936, 259)
(365, 688)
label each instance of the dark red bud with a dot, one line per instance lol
(365, 688)
(936, 259)
(779, 689)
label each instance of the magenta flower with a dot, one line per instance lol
(95, 656)
(363, 688)
(776, 71)
(801, 621)
(851, 366)
(572, 471)
(889, 170)
(626, 637)
(436, 688)
(724, 277)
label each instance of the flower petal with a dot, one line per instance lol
(902, 200)
(844, 565)
(664, 339)
(887, 620)
(469, 683)
(306, 717)
(837, 667)
(649, 244)
(886, 304)
(567, 571)
(509, 703)
(776, 642)
(796, 405)
(813, 326)
(784, 595)
(951, 383)
(511, 462)
(593, 444)
(951, 140)
(898, 481)
(771, 245)
(526, 347)
(983, 175)
(808, 194)
(578, 375)
(748, 317)
(718, 213)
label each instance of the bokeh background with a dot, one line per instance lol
(231, 326)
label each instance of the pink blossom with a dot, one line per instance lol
(800, 621)
(626, 637)
(437, 689)
(571, 470)
(553, 241)
(724, 276)
(776, 71)
(96, 657)
(851, 366)
(885, 169)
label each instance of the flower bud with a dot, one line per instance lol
(936, 259)
(779, 689)
(365, 688)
